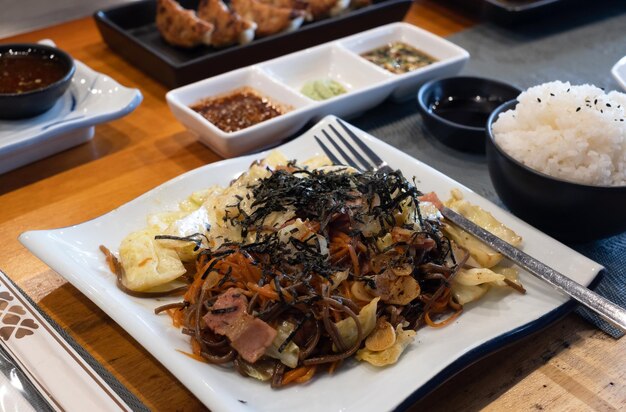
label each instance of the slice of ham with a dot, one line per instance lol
(249, 336)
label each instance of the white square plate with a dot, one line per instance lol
(436, 353)
(619, 72)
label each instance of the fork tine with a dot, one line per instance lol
(347, 159)
(373, 156)
(326, 150)
(367, 165)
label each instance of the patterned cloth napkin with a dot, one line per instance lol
(611, 253)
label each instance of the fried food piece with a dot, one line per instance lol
(319, 9)
(269, 19)
(230, 28)
(181, 27)
(314, 9)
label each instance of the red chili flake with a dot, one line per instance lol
(238, 110)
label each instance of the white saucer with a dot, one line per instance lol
(92, 98)
(619, 72)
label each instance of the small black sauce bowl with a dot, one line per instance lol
(477, 95)
(34, 102)
(570, 212)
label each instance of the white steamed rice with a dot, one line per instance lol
(576, 133)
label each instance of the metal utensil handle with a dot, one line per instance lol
(605, 308)
(13, 370)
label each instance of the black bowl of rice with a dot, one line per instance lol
(557, 159)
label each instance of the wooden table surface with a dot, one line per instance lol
(569, 366)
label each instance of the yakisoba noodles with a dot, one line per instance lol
(293, 268)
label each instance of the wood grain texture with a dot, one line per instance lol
(570, 366)
(26, 15)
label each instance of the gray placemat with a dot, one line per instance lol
(580, 49)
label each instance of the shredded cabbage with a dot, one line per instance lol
(367, 318)
(289, 355)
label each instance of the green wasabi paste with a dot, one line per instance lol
(322, 89)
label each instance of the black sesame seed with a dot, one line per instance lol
(608, 105)
(539, 100)
(578, 109)
(595, 101)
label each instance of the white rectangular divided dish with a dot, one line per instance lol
(450, 57)
(246, 140)
(281, 79)
(74, 253)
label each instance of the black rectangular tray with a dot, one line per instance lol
(130, 31)
(521, 12)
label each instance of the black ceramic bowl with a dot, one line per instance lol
(570, 212)
(34, 102)
(456, 109)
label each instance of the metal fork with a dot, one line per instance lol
(603, 307)
(375, 162)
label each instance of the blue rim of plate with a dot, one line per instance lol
(492, 346)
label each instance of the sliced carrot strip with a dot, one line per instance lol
(263, 291)
(355, 260)
(195, 347)
(294, 374)
(444, 322)
(192, 356)
(286, 294)
(307, 376)
(177, 317)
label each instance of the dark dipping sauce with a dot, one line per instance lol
(398, 58)
(467, 111)
(22, 72)
(238, 110)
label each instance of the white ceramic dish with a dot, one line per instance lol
(450, 57)
(282, 78)
(92, 98)
(619, 72)
(435, 354)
